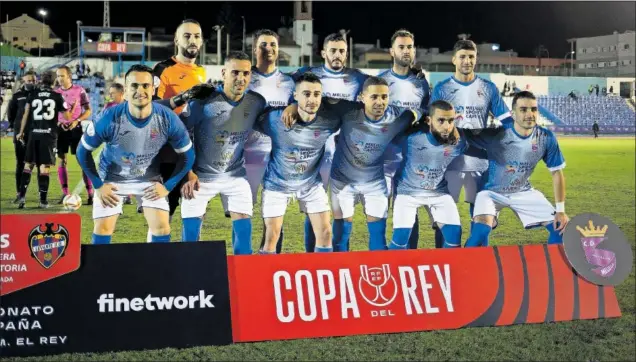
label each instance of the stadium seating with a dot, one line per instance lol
(94, 87)
(608, 111)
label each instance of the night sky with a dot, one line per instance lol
(521, 26)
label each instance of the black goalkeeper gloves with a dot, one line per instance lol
(199, 91)
(418, 71)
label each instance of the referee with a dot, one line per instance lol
(15, 110)
(173, 76)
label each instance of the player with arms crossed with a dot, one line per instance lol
(220, 124)
(407, 88)
(71, 131)
(428, 149)
(41, 110)
(513, 152)
(473, 99)
(134, 133)
(174, 76)
(358, 166)
(277, 88)
(293, 171)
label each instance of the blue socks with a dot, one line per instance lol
(377, 235)
(553, 237)
(242, 236)
(310, 237)
(400, 239)
(452, 236)
(318, 249)
(478, 235)
(160, 238)
(415, 234)
(191, 229)
(341, 232)
(101, 239)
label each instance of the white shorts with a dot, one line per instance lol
(442, 209)
(236, 189)
(311, 201)
(373, 195)
(470, 180)
(125, 189)
(531, 207)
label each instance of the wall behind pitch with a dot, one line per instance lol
(564, 85)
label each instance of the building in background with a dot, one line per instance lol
(28, 33)
(606, 55)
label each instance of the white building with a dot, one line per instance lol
(29, 33)
(606, 55)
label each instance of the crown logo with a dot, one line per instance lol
(591, 232)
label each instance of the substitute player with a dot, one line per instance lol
(428, 150)
(473, 99)
(358, 165)
(293, 170)
(134, 132)
(42, 108)
(71, 131)
(514, 150)
(407, 88)
(277, 88)
(221, 124)
(15, 111)
(174, 76)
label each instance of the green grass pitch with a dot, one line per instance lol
(600, 178)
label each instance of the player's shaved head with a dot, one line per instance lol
(188, 38)
(334, 52)
(441, 121)
(375, 96)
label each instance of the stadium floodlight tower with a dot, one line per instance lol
(113, 42)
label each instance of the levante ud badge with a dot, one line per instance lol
(47, 245)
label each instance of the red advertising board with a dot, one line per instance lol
(111, 47)
(37, 248)
(276, 297)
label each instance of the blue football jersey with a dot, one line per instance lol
(363, 142)
(425, 162)
(473, 101)
(512, 158)
(220, 128)
(297, 151)
(345, 84)
(132, 145)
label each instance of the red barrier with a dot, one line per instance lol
(291, 296)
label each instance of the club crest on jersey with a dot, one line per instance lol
(316, 133)
(221, 137)
(447, 151)
(535, 146)
(47, 245)
(384, 129)
(154, 133)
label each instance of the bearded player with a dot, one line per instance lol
(71, 131)
(514, 150)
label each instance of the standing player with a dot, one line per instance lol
(358, 165)
(406, 89)
(277, 88)
(42, 108)
(293, 171)
(134, 132)
(473, 99)
(338, 82)
(514, 150)
(428, 150)
(71, 131)
(174, 76)
(15, 111)
(221, 124)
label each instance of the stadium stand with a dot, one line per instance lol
(608, 111)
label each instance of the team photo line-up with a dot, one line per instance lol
(327, 136)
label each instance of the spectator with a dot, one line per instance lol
(572, 95)
(590, 89)
(22, 67)
(595, 129)
(611, 90)
(596, 87)
(604, 91)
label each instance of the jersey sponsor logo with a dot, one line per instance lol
(109, 304)
(128, 158)
(421, 170)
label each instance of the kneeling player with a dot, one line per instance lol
(427, 152)
(293, 170)
(134, 132)
(42, 108)
(513, 152)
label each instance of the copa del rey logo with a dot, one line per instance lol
(370, 291)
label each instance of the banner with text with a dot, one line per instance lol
(37, 248)
(290, 296)
(130, 296)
